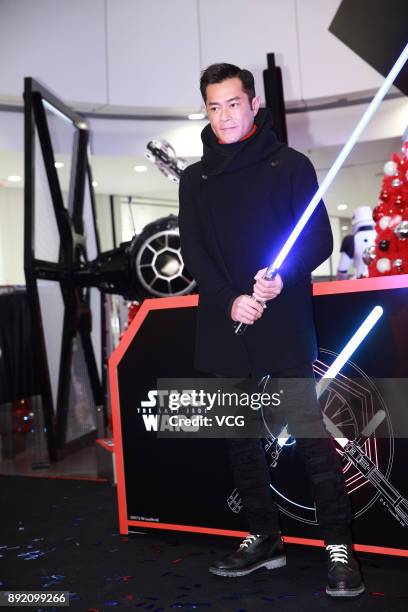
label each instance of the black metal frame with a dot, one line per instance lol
(274, 98)
(113, 224)
(77, 315)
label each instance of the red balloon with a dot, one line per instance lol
(378, 212)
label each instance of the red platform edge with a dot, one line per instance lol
(399, 281)
(189, 301)
(106, 443)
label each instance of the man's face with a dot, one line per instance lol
(229, 111)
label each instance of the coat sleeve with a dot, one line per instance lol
(211, 281)
(315, 243)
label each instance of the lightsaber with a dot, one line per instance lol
(354, 342)
(391, 498)
(397, 504)
(273, 268)
(369, 429)
(349, 349)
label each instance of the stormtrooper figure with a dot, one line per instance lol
(353, 246)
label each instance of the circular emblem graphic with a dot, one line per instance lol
(350, 403)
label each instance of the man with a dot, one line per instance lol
(237, 206)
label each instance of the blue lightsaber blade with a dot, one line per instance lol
(354, 342)
(328, 179)
(349, 349)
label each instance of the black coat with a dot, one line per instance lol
(237, 207)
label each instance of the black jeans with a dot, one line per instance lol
(316, 449)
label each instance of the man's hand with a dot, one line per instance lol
(246, 310)
(265, 290)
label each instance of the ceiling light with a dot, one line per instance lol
(14, 178)
(344, 228)
(58, 164)
(94, 183)
(342, 207)
(196, 116)
(140, 168)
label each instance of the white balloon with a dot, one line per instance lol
(383, 264)
(384, 222)
(390, 168)
(396, 182)
(395, 220)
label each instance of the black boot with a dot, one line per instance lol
(254, 552)
(344, 577)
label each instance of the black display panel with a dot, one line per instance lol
(188, 482)
(377, 31)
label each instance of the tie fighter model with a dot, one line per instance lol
(66, 271)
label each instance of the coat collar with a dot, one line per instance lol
(223, 158)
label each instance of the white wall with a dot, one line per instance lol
(61, 43)
(12, 237)
(153, 53)
(136, 216)
(325, 128)
(103, 214)
(329, 267)
(243, 32)
(147, 54)
(327, 66)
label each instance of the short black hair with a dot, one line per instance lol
(216, 73)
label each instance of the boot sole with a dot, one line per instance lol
(271, 564)
(345, 592)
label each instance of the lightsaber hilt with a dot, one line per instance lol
(270, 274)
